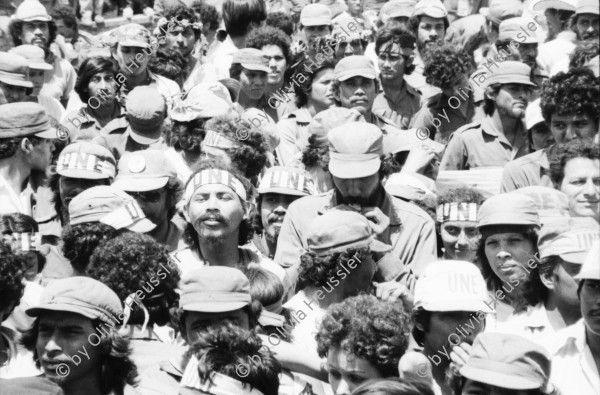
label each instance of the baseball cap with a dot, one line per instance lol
(315, 15)
(500, 10)
(252, 59)
(451, 286)
(86, 160)
(591, 265)
(25, 119)
(511, 72)
(14, 70)
(430, 8)
(205, 100)
(550, 203)
(353, 66)
(349, 28)
(398, 8)
(146, 111)
(144, 170)
(567, 5)
(214, 289)
(355, 150)
(569, 238)
(34, 55)
(32, 10)
(587, 7)
(507, 361)
(80, 295)
(407, 187)
(133, 35)
(111, 206)
(326, 120)
(508, 209)
(533, 113)
(340, 230)
(286, 181)
(510, 28)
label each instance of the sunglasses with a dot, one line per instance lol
(147, 196)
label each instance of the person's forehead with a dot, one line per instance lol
(588, 16)
(358, 79)
(461, 224)
(317, 27)
(581, 165)
(272, 48)
(570, 117)
(346, 361)
(430, 20)
(63, 319)
(35, 23)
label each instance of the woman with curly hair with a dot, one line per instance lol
(143, 275)
(362, 338)
(509, 225)
(447, 68)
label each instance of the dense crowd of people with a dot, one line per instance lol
(250, 197)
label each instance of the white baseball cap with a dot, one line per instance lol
(591, 267)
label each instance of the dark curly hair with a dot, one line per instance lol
(250, 156)
(21, 223)
(397, 35)
(66, 13)
(303, 91)
(80, 241)
(574, 92)
(223, 349)
(316, 270)
(9, 146)
(132, 262)
(90, 67)
(269, 35)
(565, 152)
(186, 136)
(16, 31)
(190, 236)
(282, 21)
(413, 24)
(445, 64)
(208, 14)
(179, 12)
(12, 273)
(368, 328)
(585, 51)
(535, 291)
(168, 63)
(316, 155)
(117, 368)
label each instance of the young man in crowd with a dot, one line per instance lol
(14, 82)
(355, 149)
(570, 109)
(554, 54)
(501, 136)
(315, 23)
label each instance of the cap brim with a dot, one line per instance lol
(37, 18)
(142, 226)
(256, 67)
(574, 257)
(15, 82)
(47, 134)
(40, 66)
(457, 305)
(135, 184)
(282, 191)
(556, 4)
(84, 311)
(83, 174)
(498, 379)
(501, 220)
(370, 74)
(141, 139)
(214, 306)
(398, 14)
(379, 246)
(316, 22)
(134, 43)
(354, 169)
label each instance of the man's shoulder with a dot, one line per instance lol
(412, 90)
(529, 159)
(468, 129)
(409, 210)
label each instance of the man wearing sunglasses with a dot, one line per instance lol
(150, 178)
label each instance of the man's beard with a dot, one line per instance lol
(362, 201)
(427, 46)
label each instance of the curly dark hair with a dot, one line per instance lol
(190, 236)
(574, 92)
(208, 14)
(269, 35)
(368, 328)
(16, 31)
(223, 349)
(132, 262)
(186, 136)
(12, 273)
(535, 291)
(21, 223)
(66, 13)
(315, 270)
(493, 282)
(168, 63)
(179, 12)
(413, 24)
(585, 51)
(565, 152)
(398, 35)
(250, 156)
(90, 67)
(117, 368)
(445, 64)
(282, 21)
(303, 90)
(80, 241)
(489, 105)
(9, 146)
(315, 155)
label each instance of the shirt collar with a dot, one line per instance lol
(488, 127)
(573, 335)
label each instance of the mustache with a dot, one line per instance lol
(214, 217)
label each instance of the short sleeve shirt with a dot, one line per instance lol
(402, 111)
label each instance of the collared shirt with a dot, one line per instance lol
(554, 56)
(530, 170)
(118, 142)
(479, 144)
(293, 135)
(441, 116)
(391, 134)
(574, 371)
(222, 57)
(532, 324)
(83, 126)
(59, 82)
(401, 112)
(411, 233)
(13, 202)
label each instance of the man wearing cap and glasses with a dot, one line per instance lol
(150, 178)
(26, 138)
(355, 149)
(501, 136)
(575, 350)
(33, 25)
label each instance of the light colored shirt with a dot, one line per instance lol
(293, 135)
(222, 56)
(529, 170)
(59, 82)
(401, 112)
(532, 324)
(554, 56)
(480, 144)
(13, 202)
(574, 371)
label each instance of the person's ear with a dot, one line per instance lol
(491, 93)
(410, 60)
(547, 278)
(335, 91)
(418, 324)
(26, 145)
(185, 214)
(248, 208)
